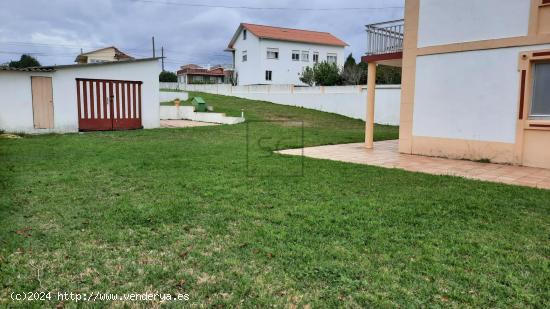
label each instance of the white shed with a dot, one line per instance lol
(80, 97)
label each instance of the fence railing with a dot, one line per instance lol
(385, 38)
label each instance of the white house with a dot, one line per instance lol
(106, 54)
(274, 55)
(80, 97)
(194, 74)
(475, 82)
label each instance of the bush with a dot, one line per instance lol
(384, 74)
(168, 77)
(322, 74)
(308, 77)
(326, 74)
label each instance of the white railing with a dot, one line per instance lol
(385, 38)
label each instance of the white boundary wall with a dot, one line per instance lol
(188, 112)
(172, 86)
(165, 96)
(348, 101)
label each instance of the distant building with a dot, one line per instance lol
(195, 74)
(107, 54)
(274, 55)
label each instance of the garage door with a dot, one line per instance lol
(108, 104)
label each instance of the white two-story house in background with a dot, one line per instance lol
(274, 55)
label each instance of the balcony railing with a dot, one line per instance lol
(385, 38)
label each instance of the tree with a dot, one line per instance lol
(307, 76)
(350, 61)
(25, 61)
(326, 74)
(351, 74)
(168, 77)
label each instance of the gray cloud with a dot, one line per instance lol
(54, 31)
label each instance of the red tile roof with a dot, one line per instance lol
(287, 34)
(201, 71)
(191, 66)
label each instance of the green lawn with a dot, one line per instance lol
(211, 212)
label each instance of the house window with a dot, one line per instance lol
(97, 61)
(268, 75)
(331, 58)
(272, 53)
(296, 55)
(244, 34)
(315, 57)
(540, 106)
(245, 56)
(305, 55)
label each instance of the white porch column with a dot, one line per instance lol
(371, 88)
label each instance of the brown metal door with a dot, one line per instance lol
(108, 104)
(42, 102)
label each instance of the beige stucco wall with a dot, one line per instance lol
(420, 87)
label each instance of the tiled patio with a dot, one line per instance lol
(386, 154)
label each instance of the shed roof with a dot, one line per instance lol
(53, 68)
(31, 69)
(63, 66)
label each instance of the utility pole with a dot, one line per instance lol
(153, 39)
(162, 57)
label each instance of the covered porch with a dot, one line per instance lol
(384, 47)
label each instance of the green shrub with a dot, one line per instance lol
(307, 76)
(322, 74)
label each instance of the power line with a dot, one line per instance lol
(169, 60)
(79, 46)
(266, 8)
(73, 46)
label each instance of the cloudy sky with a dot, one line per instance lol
(191, 31)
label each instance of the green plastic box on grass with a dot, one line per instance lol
(200, 105)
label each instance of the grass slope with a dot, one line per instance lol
(198, 211)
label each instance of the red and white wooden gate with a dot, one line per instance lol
(108, 104)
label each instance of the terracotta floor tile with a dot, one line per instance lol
(385, 154)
